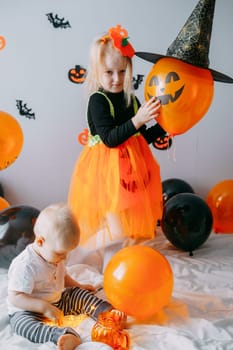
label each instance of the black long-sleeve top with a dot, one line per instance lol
(115, 130)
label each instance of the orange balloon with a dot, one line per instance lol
(11, 139)
(139, 281)
(2, 42)
(3, 203)
(185, 92)
(220, 201)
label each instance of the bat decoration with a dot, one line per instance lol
(58, 22)
(137, 81)
(77, 74)
(24, 110)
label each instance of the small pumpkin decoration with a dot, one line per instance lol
(185, 92)
(109, 330)
(77, 75)
(83, 137)
(162, 142)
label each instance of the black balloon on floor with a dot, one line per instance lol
(16, 231)
(187, 221)
(174, 186)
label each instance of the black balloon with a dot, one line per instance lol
(174, 186)
(1, 191)
(16, 231)
(187, 221)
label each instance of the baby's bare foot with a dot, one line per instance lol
(68, 341)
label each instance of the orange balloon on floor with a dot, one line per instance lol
(220, 201)
(139, 281)
(185, 92)
(3, 203)
(11, 139)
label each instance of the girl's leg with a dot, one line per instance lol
(33, 327)
(115, 227)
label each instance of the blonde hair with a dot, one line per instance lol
(57, 222)
(98, 51)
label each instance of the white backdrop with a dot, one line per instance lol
(34, 68)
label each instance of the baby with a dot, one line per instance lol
(40, 289)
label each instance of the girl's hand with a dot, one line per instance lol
(149, 110)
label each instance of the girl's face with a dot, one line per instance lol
(112, 73)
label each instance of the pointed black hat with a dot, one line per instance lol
(193, 41)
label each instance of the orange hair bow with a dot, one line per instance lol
(119, 37)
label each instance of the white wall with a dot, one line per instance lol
(34, 66)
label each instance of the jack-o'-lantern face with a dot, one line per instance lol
(185, 92)
(77, 75)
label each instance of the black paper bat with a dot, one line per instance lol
(58, 22)
(24, 110)
(137, 81)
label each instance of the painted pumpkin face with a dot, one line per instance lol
(185, 92)
(77, 75)
(162, 142)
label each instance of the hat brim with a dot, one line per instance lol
(154, 57)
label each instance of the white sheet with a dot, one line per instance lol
(199, 316)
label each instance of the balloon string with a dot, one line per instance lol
(172, 151)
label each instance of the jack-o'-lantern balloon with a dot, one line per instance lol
(11, 140)
(185, 92)
(181, 78)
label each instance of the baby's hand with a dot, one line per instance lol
(88, 287)
(54, 314)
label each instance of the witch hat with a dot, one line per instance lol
(193, 41)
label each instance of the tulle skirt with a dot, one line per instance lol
(124, 181)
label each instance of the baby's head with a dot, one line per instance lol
(56, 232)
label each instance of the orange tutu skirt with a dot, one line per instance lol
(125, 181)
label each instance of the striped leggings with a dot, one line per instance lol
(73, 301)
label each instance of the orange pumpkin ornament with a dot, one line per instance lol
(220, 201)
(83, 137)
(185, 92)
(109, 331)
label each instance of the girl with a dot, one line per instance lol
(116, 185)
